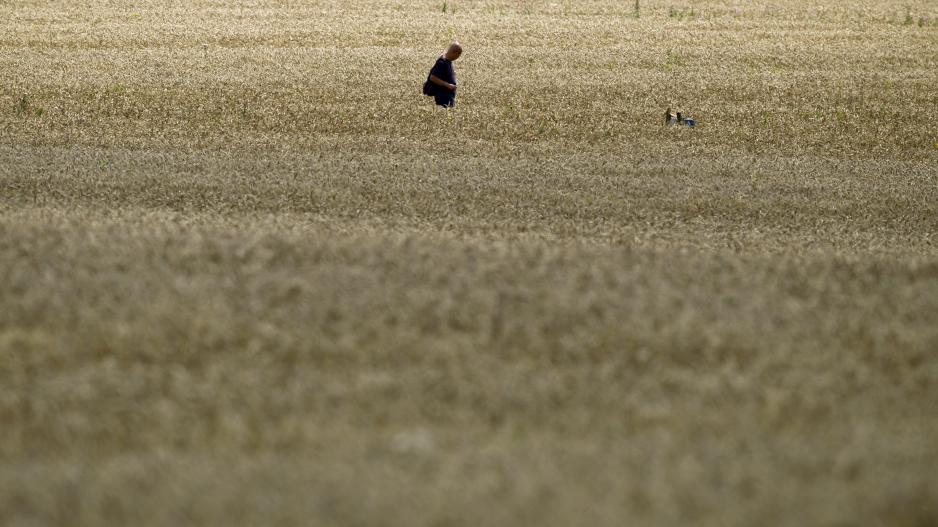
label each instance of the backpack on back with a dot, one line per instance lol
(428, 87)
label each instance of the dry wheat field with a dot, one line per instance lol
(249, 275)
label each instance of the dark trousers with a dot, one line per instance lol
(446, 99)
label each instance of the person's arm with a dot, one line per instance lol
(440, 82)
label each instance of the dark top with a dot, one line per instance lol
(445, 71)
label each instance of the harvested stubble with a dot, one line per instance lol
(250, 276)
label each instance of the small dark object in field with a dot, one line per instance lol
(672, 118)
(669, 117)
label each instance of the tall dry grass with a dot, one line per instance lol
(251, 276)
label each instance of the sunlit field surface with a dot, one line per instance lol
(249, 275)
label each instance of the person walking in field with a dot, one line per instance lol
(441, 83)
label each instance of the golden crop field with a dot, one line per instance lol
(249, 275)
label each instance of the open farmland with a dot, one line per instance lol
(249, 275)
